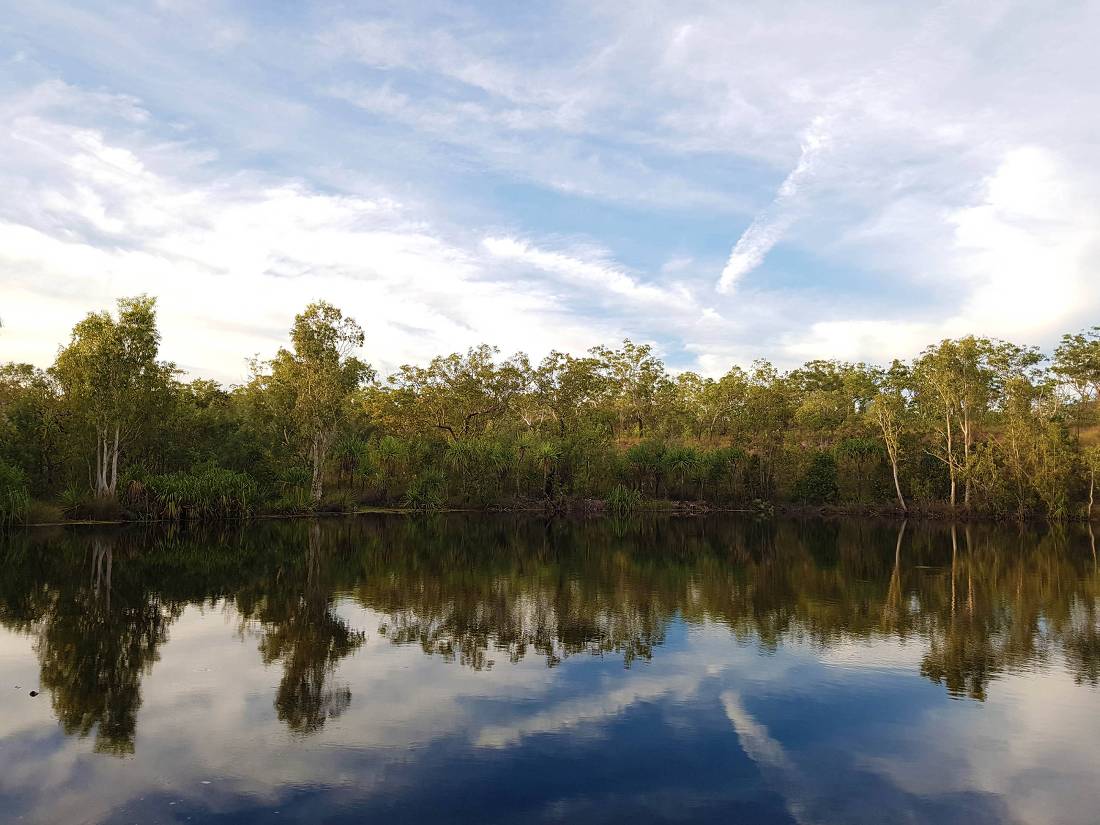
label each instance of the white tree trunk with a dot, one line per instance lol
(114, 465)
(317, 451)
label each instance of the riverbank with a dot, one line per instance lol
(50, 515)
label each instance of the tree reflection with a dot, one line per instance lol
(980, 601)
(301, 630)
(94, 646)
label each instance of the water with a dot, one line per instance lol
(497, 669)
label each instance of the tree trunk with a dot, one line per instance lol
(951, 468)
(102, 463)
(114, 465)
(1092, 492)
(897, 484)
(98, 463)
(316, 454)
(966, 461)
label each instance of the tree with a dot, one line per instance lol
(568, 387)
(459, 395)
(1092, 467)
(889, 412)
(32, 423)
(958, 382)
(113, 381)
(636, 378)
(1077, 363)
(307, 391)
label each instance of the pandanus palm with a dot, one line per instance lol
(546, 455)
(681, 461)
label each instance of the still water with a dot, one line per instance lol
(500, 669)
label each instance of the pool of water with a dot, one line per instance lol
(501, 669)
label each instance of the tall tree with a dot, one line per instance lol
(636, 380)
(306, 391)
(890, 413)
(568, 387)
(1092, 468)
(113, 381)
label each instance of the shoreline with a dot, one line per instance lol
(670, 508)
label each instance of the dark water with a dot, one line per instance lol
(492, 669)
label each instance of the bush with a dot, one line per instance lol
(425, 493)
(14, 498)
(81, 504)
(818, 484)
(623, 500)
(294, 500)
(209, 493)
(43, 512)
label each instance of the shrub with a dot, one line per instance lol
(623, 500)
(14, 498)
(209, 493)
(81, 504)
(43, 512)
(294, 500)
(425, 493)
(818, 484)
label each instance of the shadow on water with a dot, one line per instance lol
(981, 601)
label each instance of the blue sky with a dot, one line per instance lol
(724, 180)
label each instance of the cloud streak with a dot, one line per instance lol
(768, 228)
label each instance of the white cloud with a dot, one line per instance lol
(598, 274)
(885, 162)
(235, 258)
(768, 228)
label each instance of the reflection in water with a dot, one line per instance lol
(784, 641)
(982, 601)
(301, 630)
(96, 638)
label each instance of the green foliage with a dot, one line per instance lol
(14, 498)
(425, 493)
(112, 384)
(211, 492)
(622, 501)
(294, 501)
(972, 424)
(818, 485)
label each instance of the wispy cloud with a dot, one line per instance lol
(593, 273)
(926, 179)
(768, 228)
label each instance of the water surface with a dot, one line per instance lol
(500, 669)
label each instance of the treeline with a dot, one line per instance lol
(973, 425)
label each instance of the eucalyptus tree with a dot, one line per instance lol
(570, 388)
(1092, 468)
(306, 393)
(830, 397)
(32, 424)
(1077, 363)
(637, 379)
(113, 382)
(459, 395)
(764, 420)
(958, 383)
(718, 402)
(890, 413)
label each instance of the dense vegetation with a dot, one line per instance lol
(973, 425)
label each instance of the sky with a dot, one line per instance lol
(725, 180)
